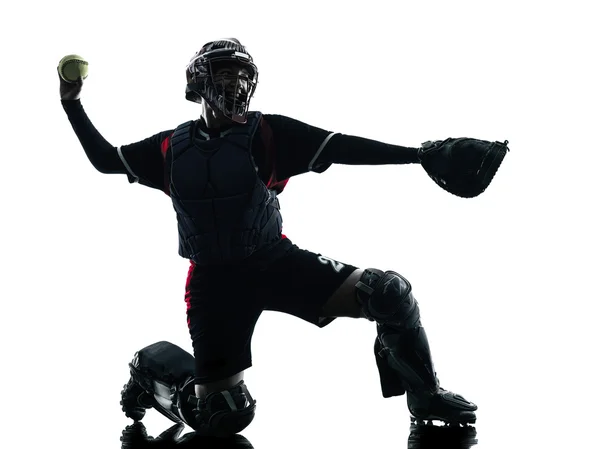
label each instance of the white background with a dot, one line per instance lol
(505, 281)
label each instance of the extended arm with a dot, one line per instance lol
(141, 161)
(352, 150)
(300, 148)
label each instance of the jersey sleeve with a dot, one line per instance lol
(296, 146)
(300, 148)
(145, 160)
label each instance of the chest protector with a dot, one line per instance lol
(225, 212)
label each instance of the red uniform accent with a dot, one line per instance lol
(188, 293)
(164, 146)
(269, 145)
(266, 133)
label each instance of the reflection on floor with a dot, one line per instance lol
(422, 436)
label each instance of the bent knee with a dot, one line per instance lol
(386, 297)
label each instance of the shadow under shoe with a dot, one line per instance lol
(434, 437)
(136, 437)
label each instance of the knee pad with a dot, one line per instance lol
(386, 297)
(223, 413)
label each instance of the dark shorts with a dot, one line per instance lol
(224, 304)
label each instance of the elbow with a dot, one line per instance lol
(102, 169)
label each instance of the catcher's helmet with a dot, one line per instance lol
(230, 94)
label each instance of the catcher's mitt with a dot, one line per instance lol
(463, 166)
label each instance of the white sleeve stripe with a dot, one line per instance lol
(126, 164)
(318, 153)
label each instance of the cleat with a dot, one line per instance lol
(134, 401)
(444, 406)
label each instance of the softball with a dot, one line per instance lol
(72, 67)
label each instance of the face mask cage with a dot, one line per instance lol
(216, 77)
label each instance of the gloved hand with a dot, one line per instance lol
(462, 166)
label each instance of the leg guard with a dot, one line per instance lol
(223, 413)
(162, 377)
(159, 372)
(401, 348)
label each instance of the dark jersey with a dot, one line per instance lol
(283, 147)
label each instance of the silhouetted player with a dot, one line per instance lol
(223, 173)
